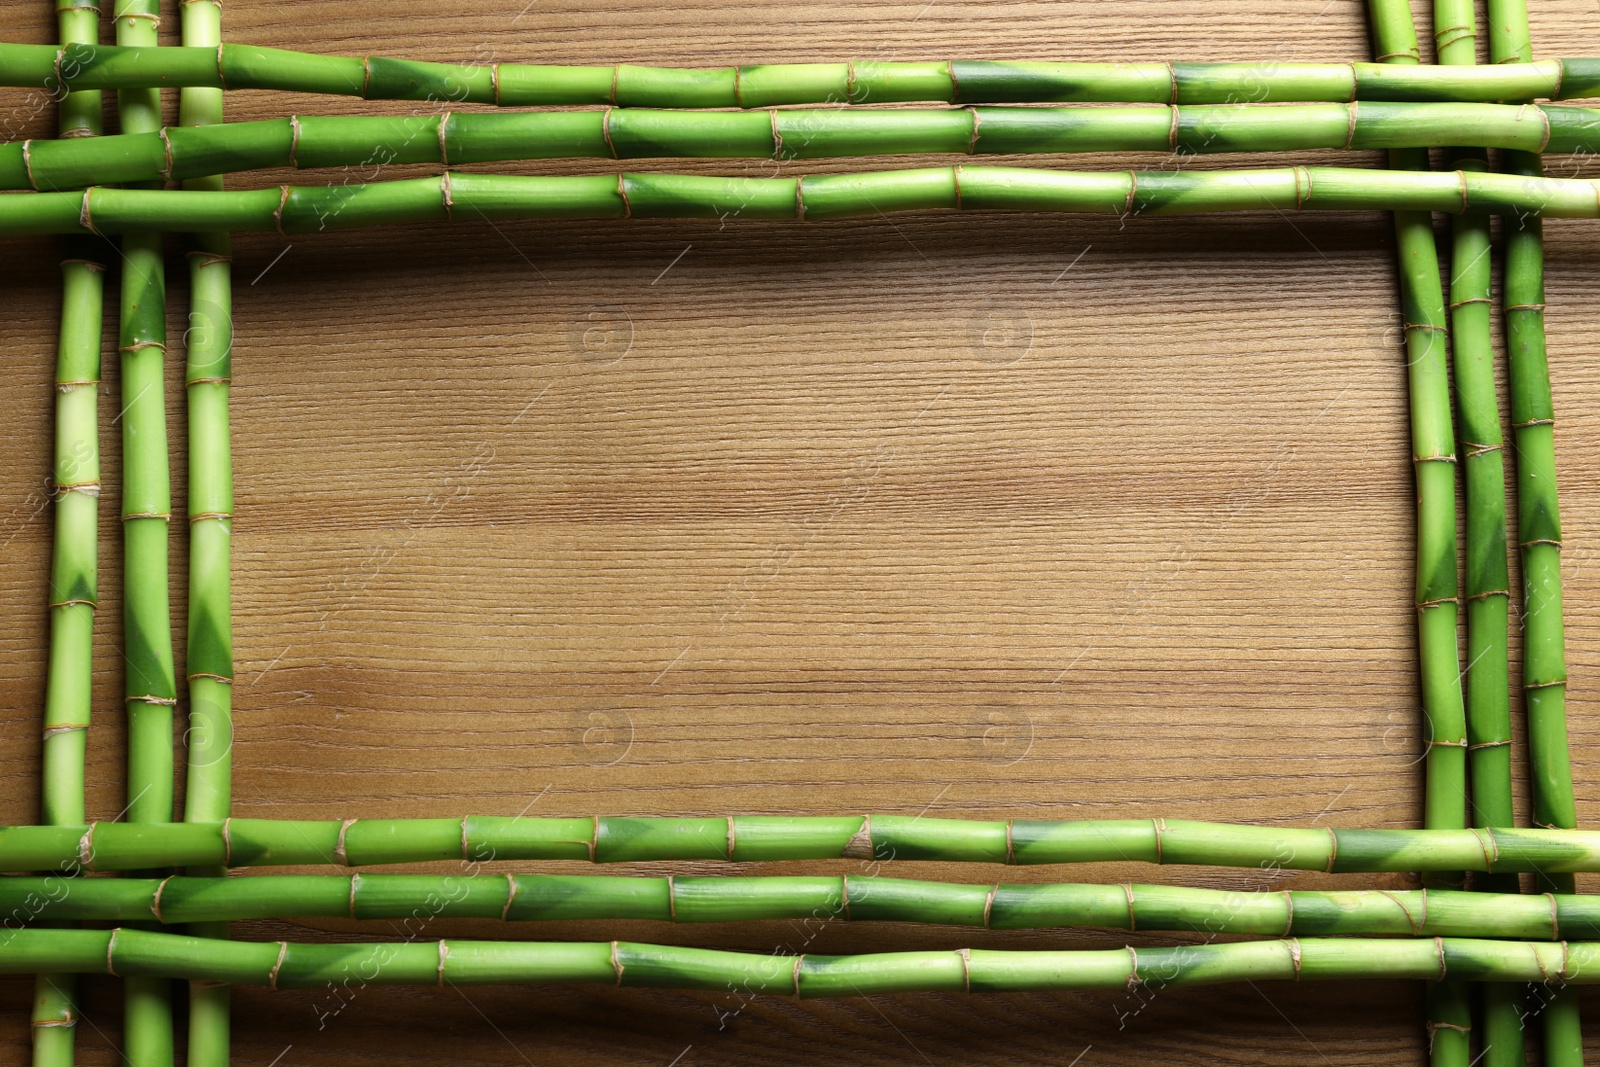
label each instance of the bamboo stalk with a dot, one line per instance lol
(208, 375)
(1488, 581)
(235, 66)
(184, 153)
(1544, 666)
(151, 689)
(845, 898)
(282, 965)
(1449, 1016)
(302, 209)
(111, 846)
(74, 554)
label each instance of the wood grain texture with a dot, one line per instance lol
(986, 516)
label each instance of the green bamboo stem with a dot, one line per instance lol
(1544, 667)
(283, 965)
(151, 689)
(1488, 581)
(480, 197)
(184, 153)
(113, 846)
(235, 66)
(74, 563)
(847, 898)
(1449, 1018)
(207, 376)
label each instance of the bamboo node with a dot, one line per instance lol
(444, 193)
(166, 152)
(777, 135)
(155, 901)
(163, 516)
(1133, 191)
(977, 123)
(494, 81)
(850, 82)
(988, 904)
(209, 259)
(227, 843)
(616, 962)
(1471, 300)
(27, 164)
(1525, 307)
(1294, 956)
(272, 975)
(1409, 54)
(1566, 961)
(88, 264)
(1133, 918)
(1491, 848)
(366, 76)
(277, 214)
(223, 678)
(1461, 179)
(1561, 74)
(1426, 326)
(859, 847)
(355, 881)
(203, 516)
(733, 839)
(594, 838)
(1159, 825)
(1555, 917)
(1300, 197)
(111, 950)
(1350, 129)
(605, 132)
(1532, 423)
(672, 899)
(955, 177)
(1333, 848)
(1172, 129)
(1424, 605)
(966, 968)
(511, 896)
(1544, 118)
(1560, 682)
(622, 191)
(338, 848)
(738, 86)
(69, 384)
(800, 198)
(294, 141)
(466, 853)
(91, 489)
(1172, 79)
(1134, 980)
(799, 961)
(1488, 744)
(1438, 948)
(1446, 744)
(155, 20)
(140, 345)
(68, 728)
(221, 76)
(74, 603)
(84, 218)
(1011, 842)
(1475, 449)
(68, 1021)
(1288, 907)
(444, 142)
(615, 70)
(86, 848)
(164, 702)
(444, 954)
(955, 85)
(844, 896)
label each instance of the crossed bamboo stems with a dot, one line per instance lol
(1396, 103)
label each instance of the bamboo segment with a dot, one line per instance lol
(113, 846)
(151, 690)
(74, 565)
(207, 378)
(1544, 666)
(235, 66)
(184, 153)
(1488, 581)
(284, 965)
(302, 209)
(844, 898)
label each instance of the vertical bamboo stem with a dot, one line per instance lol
(1488, 580)
(1544, 666)
(1433, 452)
(207, 377)
(73, 568)
(151, 692)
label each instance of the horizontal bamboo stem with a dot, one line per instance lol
(755, 838)
(301, 209)
(183, 153)
(281, 964)
(538, 897)
(235, 66)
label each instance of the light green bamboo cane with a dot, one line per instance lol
(208, 376)
(1434, 462)
(74, 563)
(281, 964)
(480, 197)
(1544, 666)
(755, 838)
(1488, 581)
(151, 689)
(420, 898)
(183, 153)
(235, 66)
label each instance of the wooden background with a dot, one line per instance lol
(979, 516)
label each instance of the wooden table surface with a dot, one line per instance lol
(983, 516)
